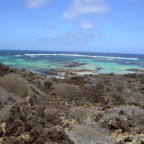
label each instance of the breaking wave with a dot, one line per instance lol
(102, 57)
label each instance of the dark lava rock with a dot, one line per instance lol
(3, 69)
(1, 132)
(76, 64)
(15, 110)
(118, 124)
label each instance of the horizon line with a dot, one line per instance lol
(70, 51)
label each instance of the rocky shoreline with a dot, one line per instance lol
(88, 109)
(67, 72)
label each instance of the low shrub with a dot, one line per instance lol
(14, 84)
(122, 112)
(37, 90)
(88, 135)
(122, 117)
(5, 96)
(64, 89)
(79, 113)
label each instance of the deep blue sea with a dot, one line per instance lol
(40, 61)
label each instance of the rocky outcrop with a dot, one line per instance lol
(3, 69)
(79, 109)
(75, 64)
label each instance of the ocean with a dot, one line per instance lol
(40, 61)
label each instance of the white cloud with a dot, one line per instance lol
(87, 26)
(81, 7)
(36, 3)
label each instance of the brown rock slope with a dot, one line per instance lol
(90, 109)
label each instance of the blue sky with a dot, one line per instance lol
(73, 25)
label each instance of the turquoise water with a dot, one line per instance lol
(40, 61)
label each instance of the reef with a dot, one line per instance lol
(75, 109)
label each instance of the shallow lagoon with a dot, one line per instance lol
(40, 61)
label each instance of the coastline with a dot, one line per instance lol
(39, 62)
(79, 109)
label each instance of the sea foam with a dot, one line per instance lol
(18, 55)
(102, 57)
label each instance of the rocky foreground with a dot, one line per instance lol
(90, 109)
